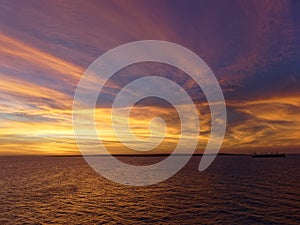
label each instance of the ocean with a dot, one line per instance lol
(233, 190)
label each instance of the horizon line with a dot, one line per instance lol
(135, 155)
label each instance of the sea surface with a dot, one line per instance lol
(233, 190)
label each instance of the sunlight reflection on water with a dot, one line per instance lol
(235, 189)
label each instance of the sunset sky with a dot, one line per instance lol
(253, 48)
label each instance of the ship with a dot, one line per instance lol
(268, 155)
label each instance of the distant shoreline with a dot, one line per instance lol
(140, 155)
(134, 155)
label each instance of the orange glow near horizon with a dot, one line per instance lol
(53, 134)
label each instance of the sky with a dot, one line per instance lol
(252, 47)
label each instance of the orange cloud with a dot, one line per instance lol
(16, 49)
(269, 123)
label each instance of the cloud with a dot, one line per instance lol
(265, 123)
(252, 47)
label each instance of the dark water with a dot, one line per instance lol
(234, 190)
